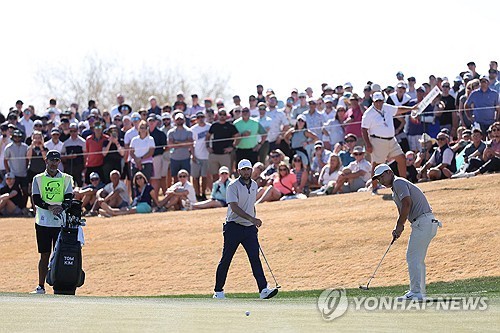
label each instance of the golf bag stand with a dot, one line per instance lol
(65, 267)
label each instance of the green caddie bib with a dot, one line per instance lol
(52, 189)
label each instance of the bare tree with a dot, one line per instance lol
(101, 80)
(90, 81)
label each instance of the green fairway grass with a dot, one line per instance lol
(487, 286)
(292, 311)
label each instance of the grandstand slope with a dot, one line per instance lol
(311, 244)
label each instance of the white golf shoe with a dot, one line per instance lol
(411, 296)
(38, 290)
(267, 293)
(219, 294)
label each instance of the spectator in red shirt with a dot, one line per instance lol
(353, 121)
(94, 159)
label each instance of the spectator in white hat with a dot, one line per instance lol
(219, 188)
(356, 175)
(377, 127)
(302, 105)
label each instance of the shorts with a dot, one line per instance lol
(123, 204)
(215, 161)
(384, 150)
(160, 167)
(177, 165)
(147, 170)
(46, 237)
(199, 169)
(143, 208)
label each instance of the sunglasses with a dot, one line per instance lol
(358, 154)
(275, 156)
(441, 139)
(139, 177)
(142, 127)
(182, 176)
(297, 160)
(220, 104)
(38, 125)
(222, 115)
(262, 108)
(495, 129)
(302, 120)
(245, 111)
(94, 179)
(283, 169)
(136, 119)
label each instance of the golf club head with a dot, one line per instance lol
(278, 286)
(364, 287)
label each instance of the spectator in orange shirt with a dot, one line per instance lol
(284, 183)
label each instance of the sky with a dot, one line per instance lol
(282, 45)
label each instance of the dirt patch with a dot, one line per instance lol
(311, 244)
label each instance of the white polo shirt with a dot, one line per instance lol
(379, 122)
(245, 197)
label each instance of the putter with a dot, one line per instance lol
(270, 270)
(376, 269)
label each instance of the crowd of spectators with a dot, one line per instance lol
(182, 157)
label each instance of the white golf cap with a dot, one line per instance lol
(223, 169)
(378, 96)
(380, 169)
(244, 164)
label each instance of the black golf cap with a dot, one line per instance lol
(53, 155)
(17, 133)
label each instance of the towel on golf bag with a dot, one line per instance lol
(65, 266)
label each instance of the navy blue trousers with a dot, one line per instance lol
(234, 235)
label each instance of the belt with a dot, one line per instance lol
(379, 137)
(424, 214)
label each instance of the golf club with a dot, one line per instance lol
(373, 275)
(270, 270)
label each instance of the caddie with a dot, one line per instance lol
(413, 206)
(49, 189)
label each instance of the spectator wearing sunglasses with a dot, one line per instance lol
(356, 175)
(442, 163)
(219, 142)
(179, 196)
(378, 131)
(345, 149)
(491, 154)
(72, 155)
(219, 188)
(250, 131)
(284, 183)
(144, 198)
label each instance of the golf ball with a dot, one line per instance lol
(247, 313)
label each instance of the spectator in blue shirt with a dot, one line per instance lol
(483, 102)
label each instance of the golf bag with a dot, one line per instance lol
(65, 267)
